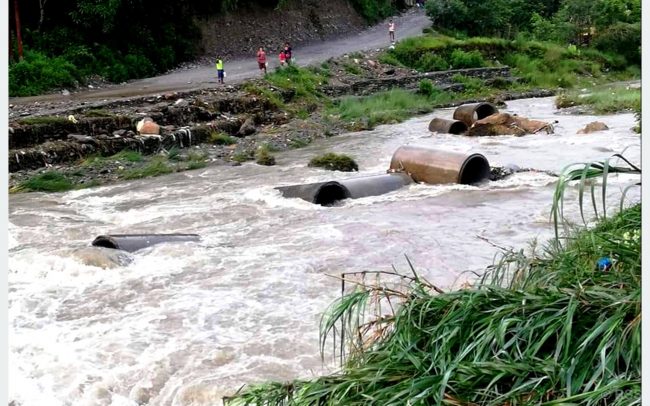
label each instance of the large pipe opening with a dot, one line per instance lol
(469, 113)
(330, 193)
(105, 242)
(475, 169)
(435, 166)
(458, 128)
(484, 110)
(440, 125)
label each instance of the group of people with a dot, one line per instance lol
(286, 55)
(286, 58)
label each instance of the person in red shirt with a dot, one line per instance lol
(283, 58)
(261, 60)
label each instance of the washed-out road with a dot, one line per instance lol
(408, 24)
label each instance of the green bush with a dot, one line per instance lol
(461, 59)
(37, 73)
(50, 181)
(334, 162)
(622, 39)
(426, 87)
(431, 62)
(221, 138)
(373, 10)
(264, 157)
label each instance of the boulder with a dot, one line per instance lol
(593, 127)
(147, 126)
(247, 128)
(507, 124)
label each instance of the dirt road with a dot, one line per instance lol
(408, 24)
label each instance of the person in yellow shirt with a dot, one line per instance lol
(219, 67)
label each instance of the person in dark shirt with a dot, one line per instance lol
(287, 53)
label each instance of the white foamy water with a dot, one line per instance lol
(186, 324)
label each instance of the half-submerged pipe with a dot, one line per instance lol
(328, 193)
(436, 167)
(134, 242)
(440, 125)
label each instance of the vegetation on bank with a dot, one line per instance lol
(559, 326)
(603, 101)
(66, 43)
(127, 164)
(334, 162)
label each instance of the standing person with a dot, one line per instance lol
(391, 30)
(283, 58)
(219, 66)
(261, 60)
(287, 52)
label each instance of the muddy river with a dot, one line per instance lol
(185, 324)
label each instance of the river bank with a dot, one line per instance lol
(291, 107)
(187, 324)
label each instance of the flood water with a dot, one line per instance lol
(186, 324)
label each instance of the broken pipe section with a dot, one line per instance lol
(440, 125)
(436, 167)
(134, 242)
(327, 193)
(470, 113)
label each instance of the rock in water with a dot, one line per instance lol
(507, 124)
(102, 257)
(593, 127)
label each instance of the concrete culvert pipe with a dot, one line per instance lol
(440, 125)
(469, 113)
(134, 242)
(328, 193)
(437, 167)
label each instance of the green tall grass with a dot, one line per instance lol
(605, 101)
(543, 64)
(547, 328)
(386, 107)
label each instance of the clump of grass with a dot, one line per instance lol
(221, 138)
(264, 157)
(392, 106)
(426, 87)
(334, 162)
(50, 181)
(472, 85)
(269, 94)
(298, 143)
(196, 160)
(352, 69)
(42, 120)
(243, 156)
(174, 154)
(607, 101)
(304, 82)
(126, 155)
(156, 167)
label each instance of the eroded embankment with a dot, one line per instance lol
(251, 113)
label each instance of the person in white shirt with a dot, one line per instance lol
(391, 30)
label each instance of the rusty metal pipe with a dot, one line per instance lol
(436, 167)
(328, 193)
(469, 113)
(134, 242)
(440, 125)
